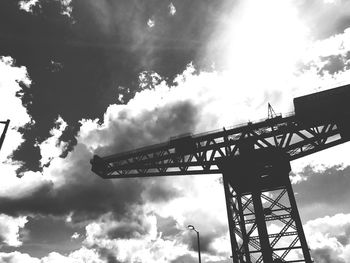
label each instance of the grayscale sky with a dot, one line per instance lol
(79, 77)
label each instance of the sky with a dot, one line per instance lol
(84, 77)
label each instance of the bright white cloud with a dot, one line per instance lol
(17, 257)
(67, 7)
(12, 109)
(150, 23)
(329, 238)
(148, 247)
(52, 148)
(83, 255)
(27, 5)
(9, 229)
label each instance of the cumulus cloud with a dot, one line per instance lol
(172, 9)
(9, 229)
(126, 242)
(12, 82)
(17, 257)
(329, 238)
(52, 147)
(28, 5)
(325, 18)
(323, 192)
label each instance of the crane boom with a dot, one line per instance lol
(198, 154)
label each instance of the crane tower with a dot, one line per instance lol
(254, 160)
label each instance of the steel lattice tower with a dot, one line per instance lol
(254, 160)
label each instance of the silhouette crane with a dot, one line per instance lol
(254, 160)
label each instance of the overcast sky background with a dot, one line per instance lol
(79, 77)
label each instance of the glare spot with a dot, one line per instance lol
(266, 42)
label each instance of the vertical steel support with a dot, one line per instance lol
(264, 222)
(231, 223)
(299, 225)
(245, 237)
(262, 229)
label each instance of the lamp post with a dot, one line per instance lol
(199, 246)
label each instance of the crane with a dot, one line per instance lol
(254, 160)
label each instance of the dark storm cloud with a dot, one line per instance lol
(329, 64)
(326, 255)
(85, 194)
(207, 237)
(167, 226)
(128, 229)
(323, 193)
(148, 128)
(158, 192)
(79, 64)
(112, 259)
(185, 258)
(325, 19)
(205, 241)
(43, 234)
(334, 64)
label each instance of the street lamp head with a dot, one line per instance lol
(191, 227)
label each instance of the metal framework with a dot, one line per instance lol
(199, 154)
(254, 158)
(2, 138)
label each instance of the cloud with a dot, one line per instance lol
(325, 18)
(167, 226)
(185, 258)
(323, 192)
(52, 147)
(146, 245)
(28, 5)
(82, 255)
(172, 9)
(329, 238)
(12, 82)
(9, 229)
(17, 257)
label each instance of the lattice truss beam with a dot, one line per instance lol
(199, 153)
(282, 229)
